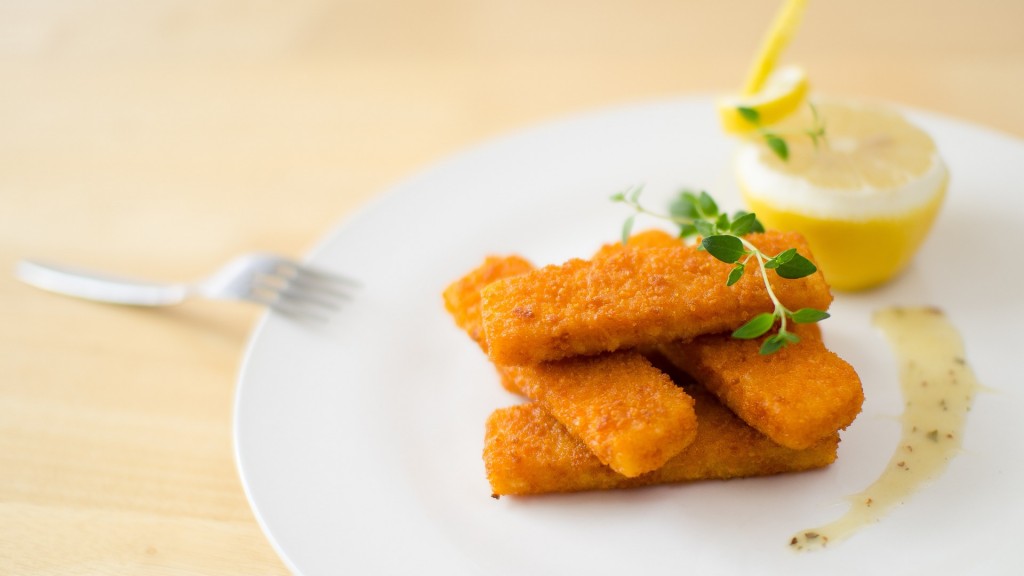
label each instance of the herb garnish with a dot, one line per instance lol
(774, 139)
(722, 237)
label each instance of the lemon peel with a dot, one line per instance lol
(770, 94)
(784, 91)
(786, 23)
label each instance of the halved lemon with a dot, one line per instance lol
(782, 93)
(864, 198)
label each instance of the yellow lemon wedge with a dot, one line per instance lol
(781, 94)
(864, 197)
(769, 93)
(786, 23)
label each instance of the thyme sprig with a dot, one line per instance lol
(775, 140)
(722, 236)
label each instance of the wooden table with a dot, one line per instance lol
(161, 138)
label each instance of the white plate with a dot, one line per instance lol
(359, 445)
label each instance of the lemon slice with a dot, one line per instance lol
(864, 198)
(781, 94)
(786, 23)
(770, 93)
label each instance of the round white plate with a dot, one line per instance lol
(359, 444)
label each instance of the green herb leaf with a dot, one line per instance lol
(815, 137)
(817, 130)
(735, 274)
(755, 327)
(756, 226)
(698, 214)
(783, 257)
(797, 267)
(743, 223)
(777, 145)
(749, 114)
(687, 230)
(772, 344)
(775, 140)
(627, 228)
(707, 205)
(722, 225)
(684, 206)
(808, 315)
(777, 341)
(705, 228)
(728, 249)
(634, 196)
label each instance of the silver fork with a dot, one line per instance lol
(286, 286)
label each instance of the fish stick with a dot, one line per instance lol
(527, 451)
(635, 297)
(462, 297)
(795, 396)
(653, 238)
(630, 414)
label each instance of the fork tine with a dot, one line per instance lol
(301, 286)
(299, 270)
(290, 306)
(334, 283)
(313, 298)
(328, 287)
(300, 313)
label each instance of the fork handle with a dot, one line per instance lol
(97, 286)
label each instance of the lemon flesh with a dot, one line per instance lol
(865, 199)
(783, 93)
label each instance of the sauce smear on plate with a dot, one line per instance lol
(938, 388)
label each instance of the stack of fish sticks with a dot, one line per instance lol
(631, 378)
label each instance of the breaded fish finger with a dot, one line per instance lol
(630, 414)
(652, 238)
(795, 396)
(636, 297)
(627, 412)
(462, 297)
(527, 451)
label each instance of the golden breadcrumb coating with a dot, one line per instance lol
(634, 297)
(795, 396)
(653, 238)
(527, 451)
(462, 297)
(630, 414)
(627, 412)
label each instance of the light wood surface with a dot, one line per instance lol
(161, 138)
